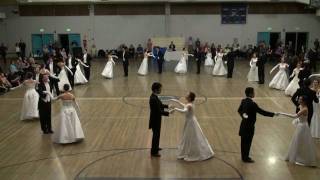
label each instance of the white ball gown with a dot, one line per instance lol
(193, 146)
(209, 60)
(253, 72)
(280, 80)
(79, 78)
(181, 67)
(294, 83)
(63, 77)
(30, 102)
(108, 69)
(143, 69)
(69, 128)
(315, 120)
(302, 149)
(219, 69)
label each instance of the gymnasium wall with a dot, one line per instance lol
(108, 31)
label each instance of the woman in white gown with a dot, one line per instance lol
(79, 78)
(209, 60)
(63, 76)
(143, 69)
(30, 101)
(253, 72)
(69, 128)
(181, 67)
(108, 69)
(219, 69)
(294, 83)
(302, 149)
(315, 120)
(280, 80)
(193, 146)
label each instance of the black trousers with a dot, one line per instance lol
(230, 70)
(54, 83)
(125, 68)
(155, 140)
(87, 72)
(198, 66)
(246, 141)
(261, 74)
(4, 57)
(160, 62)
(45, 115)
(71, 77)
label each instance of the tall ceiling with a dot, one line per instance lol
(14, 2)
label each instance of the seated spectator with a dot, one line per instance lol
(14, 79)
(172, 47)
(5, 85)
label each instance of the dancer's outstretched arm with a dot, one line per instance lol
(177, 101)
(186, 108)
(274, 68)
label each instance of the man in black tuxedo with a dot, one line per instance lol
(157, 109)
(160, 59)
(87, 61)
(71, 63)
(198, 57)
(230, 62)
(311, 97)
(54, 70)
(262, 59)
(304, 74)
(125, 60)
(44, 105)
(248, 111)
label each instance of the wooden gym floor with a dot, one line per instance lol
(115, 115)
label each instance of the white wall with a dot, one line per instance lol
(110, 31)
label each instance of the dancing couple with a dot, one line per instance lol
(193, 146)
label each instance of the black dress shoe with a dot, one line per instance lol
(248, 160)
(159, 149)
(156, 155)
(50, 131)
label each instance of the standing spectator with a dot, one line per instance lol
(18, 50)
(172, 47)
(3, 52)
(198, 43)
(131, 51)
(149, 45)
(22, 46)
(190, 45)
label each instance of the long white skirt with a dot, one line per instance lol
(79, 78)
(302, 149)
(108, 70)
(194, 146)
(181, 67)
(279, 81)
(292, 87)
(63, 77)
(69, 128)
(253, 74)
(315, 121)
(219, 69)
(208, 61)
(30, 105)
(143, 69)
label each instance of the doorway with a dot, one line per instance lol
(270, 38)
(69, 41)
(39, 41)
(296, 42)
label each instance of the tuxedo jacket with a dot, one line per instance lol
(89, 58)
(41, 88)
(156, 111)
(303, 74)
(56, 68)
(230, 59)
(160, 56)
(249, 107)
(125, 57)
(74, 62)
(305, 91)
